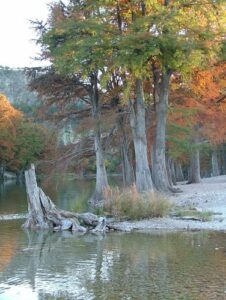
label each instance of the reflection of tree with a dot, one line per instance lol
(74, 194)
(71, 194)
(159, 266)
(121, 266)
(8, 245)
(12, 198)
(56, 264)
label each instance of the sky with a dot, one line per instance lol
(16, 46)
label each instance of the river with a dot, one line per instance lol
(144, 265)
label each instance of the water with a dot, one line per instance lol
(155, 265)
(67, 194)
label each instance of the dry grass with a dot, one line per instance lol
(133, 205)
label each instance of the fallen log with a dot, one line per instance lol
(43, 214)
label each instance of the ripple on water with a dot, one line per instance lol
(9, 217)
(128, 266)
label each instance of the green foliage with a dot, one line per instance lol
(21, 141)
(223, 50)
(112, 164)
(86, 36)
(28, 145)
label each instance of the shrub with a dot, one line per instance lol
(133, 205)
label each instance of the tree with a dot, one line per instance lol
(197, 115)
(21, 141)
(183, 44)
(67, 26)
(8, 118)
(169, 42)
(141, 41)
(29, 145)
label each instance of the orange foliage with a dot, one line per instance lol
(8, 118)
(206, 96)
(8, 114)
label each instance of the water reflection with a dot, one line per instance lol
(185, 265)
(67, 193)
(12, 198)
(117, 266)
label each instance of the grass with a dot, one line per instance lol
(204, 216)
(133, 205)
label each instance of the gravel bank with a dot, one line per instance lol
(209, 195)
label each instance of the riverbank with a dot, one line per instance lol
(207, 196)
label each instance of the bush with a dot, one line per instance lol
(133, 205)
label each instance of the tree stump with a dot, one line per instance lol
(43, 214)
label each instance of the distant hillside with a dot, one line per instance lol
(13, 84)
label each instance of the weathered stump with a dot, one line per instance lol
(43, 214)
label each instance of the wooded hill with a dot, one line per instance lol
(13, 84)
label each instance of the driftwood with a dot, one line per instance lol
(43, 214)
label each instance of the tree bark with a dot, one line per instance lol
(179, 172)
(171, 171)
(223, 157)
(159, 171)
(194, 170)
(137, 122)
(101, 174)
(127, 168)
(215, 165)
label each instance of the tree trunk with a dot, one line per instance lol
(101, 174)
(194, 170)
(127, 169)
(43, 214)
(20, 176)
(179, 172)
(223, 159)
(171, 171)
(159, 171)
(137, 122)
(2, 172)
(215, 165)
